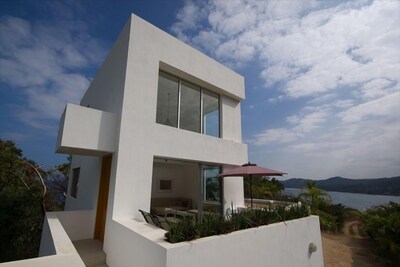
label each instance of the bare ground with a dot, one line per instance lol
(348, 249)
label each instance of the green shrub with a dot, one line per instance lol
(382, 224)
(184, 230)
(332, 216)
(326, 221)
(241, 220)
(212, 224)
(215, 224)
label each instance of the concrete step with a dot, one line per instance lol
(91, 252)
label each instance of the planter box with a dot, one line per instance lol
(280, 244)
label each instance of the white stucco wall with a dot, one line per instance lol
(88, 186)
(281, 244)
(126, 86)
(184, 178)
(133, 244)
(105, 93)
(78, 224)
(231, 119)
(233, 193)
(87, 131)
(149, 50)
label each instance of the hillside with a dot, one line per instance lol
(379, 186)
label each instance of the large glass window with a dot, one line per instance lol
(187, 106)
(210, 114)
(190, 107)
(167, 100)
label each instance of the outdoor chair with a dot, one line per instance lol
(160, 222)
(147, 217)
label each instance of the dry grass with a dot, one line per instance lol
(349, 249)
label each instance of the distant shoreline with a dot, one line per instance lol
(377, 186)
(357, 201)
(353, 193)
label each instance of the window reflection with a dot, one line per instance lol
(210, 114)
(212, 183)
(199, 109)
(190, 107)
(167, 100)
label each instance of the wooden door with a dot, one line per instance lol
(102, 199)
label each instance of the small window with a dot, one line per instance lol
(75, 182)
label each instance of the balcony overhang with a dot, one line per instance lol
(86, 131)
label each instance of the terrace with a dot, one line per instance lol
(142, 244)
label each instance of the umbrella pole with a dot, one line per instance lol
(251, 191)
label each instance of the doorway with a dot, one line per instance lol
(211, 189)
(101, 213)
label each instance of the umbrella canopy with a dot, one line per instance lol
(250, 170)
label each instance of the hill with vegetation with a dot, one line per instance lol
(378, 186)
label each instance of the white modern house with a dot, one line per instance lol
(156, 126)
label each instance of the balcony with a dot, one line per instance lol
(134, 243)
(287, 243)
(86, 131)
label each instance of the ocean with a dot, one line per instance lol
(360, 202)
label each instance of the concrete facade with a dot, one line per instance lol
(284, 244)
(117, 116)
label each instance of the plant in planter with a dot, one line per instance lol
(184, 230)
(215, 224)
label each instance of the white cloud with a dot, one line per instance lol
(312, 121)
(377, 88)
(310, 47)
(343, 104)
(46, 61)
(384, 108)
(274, 136)
(341, 60)
(188, 18)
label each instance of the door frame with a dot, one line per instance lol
(102, 199)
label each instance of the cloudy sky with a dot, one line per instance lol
(322, 77)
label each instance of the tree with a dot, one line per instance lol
(22, 209)
(263, 187)
(313, 195)
(24, 199)
(57, 182)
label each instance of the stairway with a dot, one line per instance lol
(91, 252)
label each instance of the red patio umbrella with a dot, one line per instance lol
(250, 170)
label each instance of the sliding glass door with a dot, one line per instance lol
(211, 185)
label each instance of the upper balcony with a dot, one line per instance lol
(86, 131)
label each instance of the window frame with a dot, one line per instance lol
(201, 119)
(75, 182)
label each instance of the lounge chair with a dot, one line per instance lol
(160, 222)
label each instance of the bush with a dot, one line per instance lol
(215, 224)
(184, 230)
(21, 222)
(382, 224)
(332, 216)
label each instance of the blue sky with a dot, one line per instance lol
(322, 77)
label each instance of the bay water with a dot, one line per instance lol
(360, 202)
